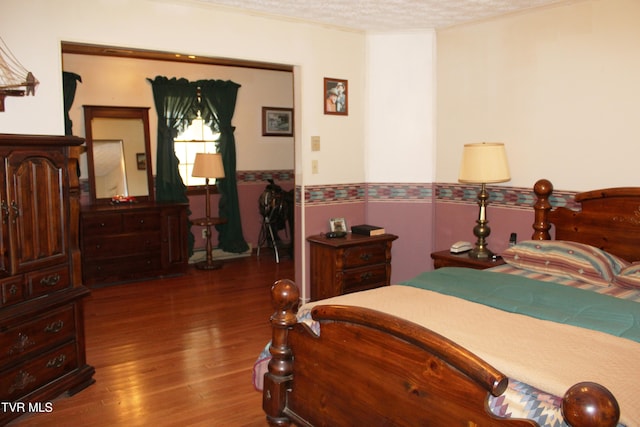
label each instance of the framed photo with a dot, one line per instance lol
(338, 225)
(141, 161)
(277, 121)
(336, 97)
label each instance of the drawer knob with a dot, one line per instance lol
(50, 280)
(21, 381)
(54, 327)
(56, 362)
(365, 256)
(22, 343)
(13, 290)
(366, 276)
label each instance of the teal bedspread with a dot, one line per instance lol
(543, 300)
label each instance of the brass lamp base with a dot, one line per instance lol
(482, 230)
(481, 253)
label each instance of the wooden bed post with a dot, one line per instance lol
(543, 189)
(285, 297)
(589, 404)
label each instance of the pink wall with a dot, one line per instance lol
(248, 194)
(412, 223)
(455, 221)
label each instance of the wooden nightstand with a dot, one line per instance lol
(447, 259)
(349, 264)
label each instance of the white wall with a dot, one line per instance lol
(123, 81)
(34, 30)
(559, 86)
(401, 112)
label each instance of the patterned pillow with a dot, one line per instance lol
(629, 277)
(566, 259)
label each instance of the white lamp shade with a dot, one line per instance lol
(208, 165)
(484, 163)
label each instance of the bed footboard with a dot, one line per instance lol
(370, 368)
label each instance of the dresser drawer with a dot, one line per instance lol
(37, 372)
(47, 281)
(117, 246)
(47, 330)
(13, 290)
(359, 279)
(142, 221)
(364, 255)
(120, 269)
(102, 224)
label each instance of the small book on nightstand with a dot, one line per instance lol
(367, 230)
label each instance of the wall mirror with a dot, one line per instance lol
(118, 152)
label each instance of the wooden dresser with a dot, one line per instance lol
(133, 241)
(349, 264)
(41, 318)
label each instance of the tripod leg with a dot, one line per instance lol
(273, 242)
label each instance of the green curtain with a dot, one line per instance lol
(218, 105)
(176, 103)
(69, 85)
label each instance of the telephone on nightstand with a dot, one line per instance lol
(459, 247)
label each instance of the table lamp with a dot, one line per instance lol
(208, 165)
(483, 163)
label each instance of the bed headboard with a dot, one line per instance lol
(608, 219)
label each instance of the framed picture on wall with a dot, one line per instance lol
(277, 121)
(141, 161)
(336, 97)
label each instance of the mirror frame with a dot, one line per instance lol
(109, 112)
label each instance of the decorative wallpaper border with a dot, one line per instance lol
(332, 194)
(511, 197)
(253, 177)
(406, 192)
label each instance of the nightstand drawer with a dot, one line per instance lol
(364, 255)
(364, 278)
(349, 264)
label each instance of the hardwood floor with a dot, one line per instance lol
(175, 352)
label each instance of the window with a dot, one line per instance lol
(197, 138)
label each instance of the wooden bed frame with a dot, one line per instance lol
(369, 368)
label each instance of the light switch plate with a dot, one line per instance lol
(315, 143)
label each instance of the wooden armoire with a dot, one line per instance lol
(42, 344)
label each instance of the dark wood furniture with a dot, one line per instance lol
(42, 342)
(447, 259)
(398, 372)
(128, 126)
(349, 264)
(133, 241)
(208, 222)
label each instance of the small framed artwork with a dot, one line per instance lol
(141, 161)
(336, 97)
(338, 225)
(277, 121)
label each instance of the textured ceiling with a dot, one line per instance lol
(385, 15)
